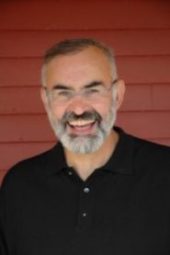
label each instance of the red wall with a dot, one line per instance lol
(139, 30)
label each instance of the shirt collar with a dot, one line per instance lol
(55, 160)
(120, 162)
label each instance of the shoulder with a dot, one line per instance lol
(31, 169)
(150, 149)
(149, 156)
(144, 155)
(142, 147)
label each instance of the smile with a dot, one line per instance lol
(80, 123)
(81, 127)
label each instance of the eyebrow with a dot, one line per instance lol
(61, 86)
(94, 84)
(90, 85)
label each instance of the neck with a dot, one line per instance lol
(85, 164)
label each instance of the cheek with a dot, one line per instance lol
(104, 107)
(57, 112)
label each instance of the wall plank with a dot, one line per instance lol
(25, 128)
(145, 69)
(19, 72)
(83, 15)
(16, 100)
(161, 97)
(148, 125)
(34, 43)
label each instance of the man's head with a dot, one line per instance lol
(81, 93)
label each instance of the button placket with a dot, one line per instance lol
(84, 208)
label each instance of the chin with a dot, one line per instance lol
(83, 144)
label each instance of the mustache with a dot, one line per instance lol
(88, 115)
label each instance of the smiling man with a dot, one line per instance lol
(81, 94)
(99, 190)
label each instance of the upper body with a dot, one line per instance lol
(99, 191)
(122, 208)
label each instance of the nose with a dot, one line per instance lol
(78, 105)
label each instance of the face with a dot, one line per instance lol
(81, 100)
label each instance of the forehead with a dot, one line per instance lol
(79, 68)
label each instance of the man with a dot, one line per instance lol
(99, 190)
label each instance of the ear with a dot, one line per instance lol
(120, 93)
(44, 98)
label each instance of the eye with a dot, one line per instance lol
(63, 93)
(93, 91)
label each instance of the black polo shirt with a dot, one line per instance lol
(122, 208)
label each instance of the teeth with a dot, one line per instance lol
(80, 123)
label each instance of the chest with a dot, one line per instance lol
(108, 214)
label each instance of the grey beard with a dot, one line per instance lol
(88, 143)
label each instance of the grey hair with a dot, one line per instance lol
(71, 46)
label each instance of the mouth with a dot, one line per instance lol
(81, 127)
